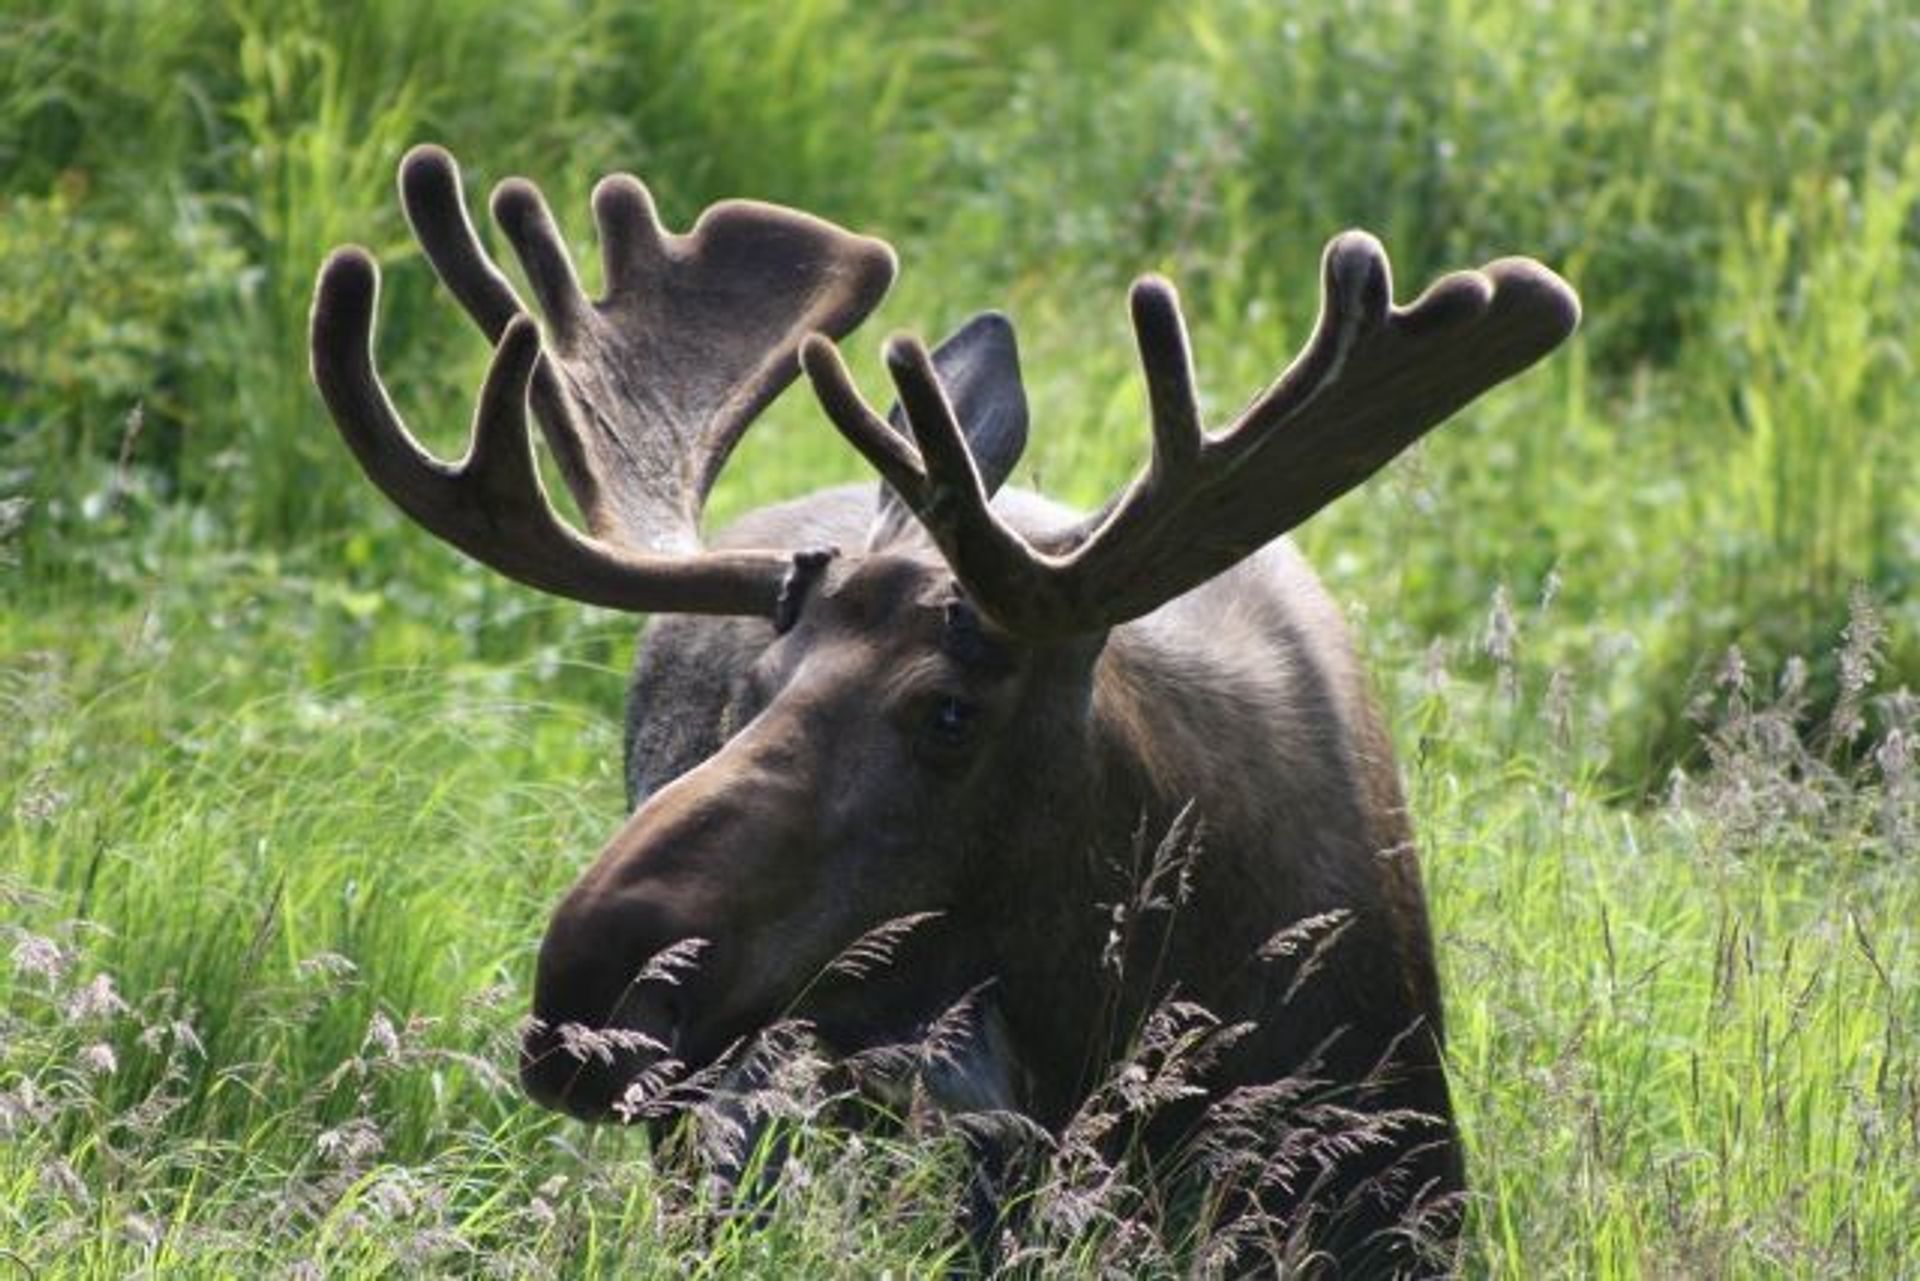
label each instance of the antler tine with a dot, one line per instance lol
(628, 223)
(1166, 358)
(499, 461)
(885, 450)
(491, 504)
(436, 209)
(1356, 302)
(952, 481)
(1371, 380)
(939, 481)
(344, 302)
(521, 211)
(952, 500)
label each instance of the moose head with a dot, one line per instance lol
(951, 704)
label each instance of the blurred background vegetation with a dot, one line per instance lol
(1727, 450)
(285, 768)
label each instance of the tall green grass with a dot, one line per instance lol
(255, 723)
(1683, 1039)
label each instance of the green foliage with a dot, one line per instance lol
(1734, 192)
(257, 722)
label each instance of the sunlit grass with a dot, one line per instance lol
(305, 784)
(1675, 1046)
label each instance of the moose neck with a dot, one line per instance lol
(1148, 823)
(1080, 834)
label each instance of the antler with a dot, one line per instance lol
(642, 393)
(1371, 381)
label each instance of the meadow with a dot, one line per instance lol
(287, 788)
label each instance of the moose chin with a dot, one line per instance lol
(947, 702)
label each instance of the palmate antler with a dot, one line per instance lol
(642, 393)
(1371, 381)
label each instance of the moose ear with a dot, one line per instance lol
(979, 366)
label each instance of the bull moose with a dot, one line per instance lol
(943, 700)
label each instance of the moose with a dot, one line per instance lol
(948, 700)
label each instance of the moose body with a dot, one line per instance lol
(1240, 702)
(961, 709)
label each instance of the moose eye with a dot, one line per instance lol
(950, 720)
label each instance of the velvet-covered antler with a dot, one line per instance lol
(1371, 381)
(643, 392)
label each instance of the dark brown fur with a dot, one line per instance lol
(781, 812)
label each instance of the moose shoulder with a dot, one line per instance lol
(945, 703)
